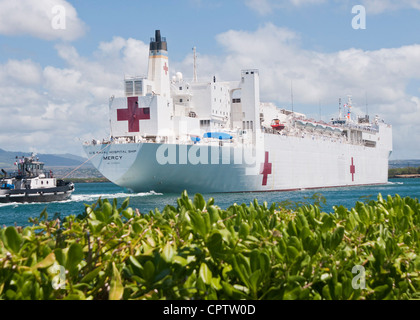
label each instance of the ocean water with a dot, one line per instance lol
(88, 193)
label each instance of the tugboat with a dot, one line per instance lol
(31, 183)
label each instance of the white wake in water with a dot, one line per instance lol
(94, 197)
(89, 198)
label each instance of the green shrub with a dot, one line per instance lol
(198, 251)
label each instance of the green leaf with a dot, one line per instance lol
(116, 289)
(106, 209)
(292, 252)
(125, 203)
(199, 201)
(61, 256)
(243, 230)
(337, 237)
(48, 260)
(44, 214)
(210, 202)
(129, 213)
(13, 239)
(215, 245)
(74, 256)
(326, 292)
(168, 252)
(292, 294)
(91, 275)
(327, 223)
(205, 273)
(149, 271)
(213, 213)
(198, 223)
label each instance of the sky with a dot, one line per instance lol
(60, 61)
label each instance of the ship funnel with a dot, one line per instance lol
(158, 42)
(158, 70)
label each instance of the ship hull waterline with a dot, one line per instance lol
(283, 164)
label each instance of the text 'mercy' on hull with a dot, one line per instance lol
(170, 135)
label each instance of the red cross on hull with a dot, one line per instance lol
(352, 169)
(266, 169)
(133, 114)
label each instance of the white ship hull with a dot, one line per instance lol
(293, 163)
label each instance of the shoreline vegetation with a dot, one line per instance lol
(198, 251)
(87, 180)
(407, 172)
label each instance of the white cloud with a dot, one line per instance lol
(264, 7)
(54, 109)
(380, 6)
(39, 19)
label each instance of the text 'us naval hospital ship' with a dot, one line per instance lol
(170, 135)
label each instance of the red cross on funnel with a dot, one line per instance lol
(133, 114)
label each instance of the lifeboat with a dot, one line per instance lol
(276, 125)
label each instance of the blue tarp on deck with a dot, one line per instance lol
(217, 135)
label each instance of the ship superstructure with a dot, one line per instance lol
(169, 134)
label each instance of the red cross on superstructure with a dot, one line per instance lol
(165, 67)
(352, 169)
(265, 169)
(133, 114)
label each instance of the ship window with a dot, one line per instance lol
(146, 110)
(129, 87)
(180, 88)
(180, 100)
(138, 88)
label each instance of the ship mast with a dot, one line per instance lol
(339, 109)
(195, 65)
(291, 95)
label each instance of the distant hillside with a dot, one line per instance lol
(7, 158)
